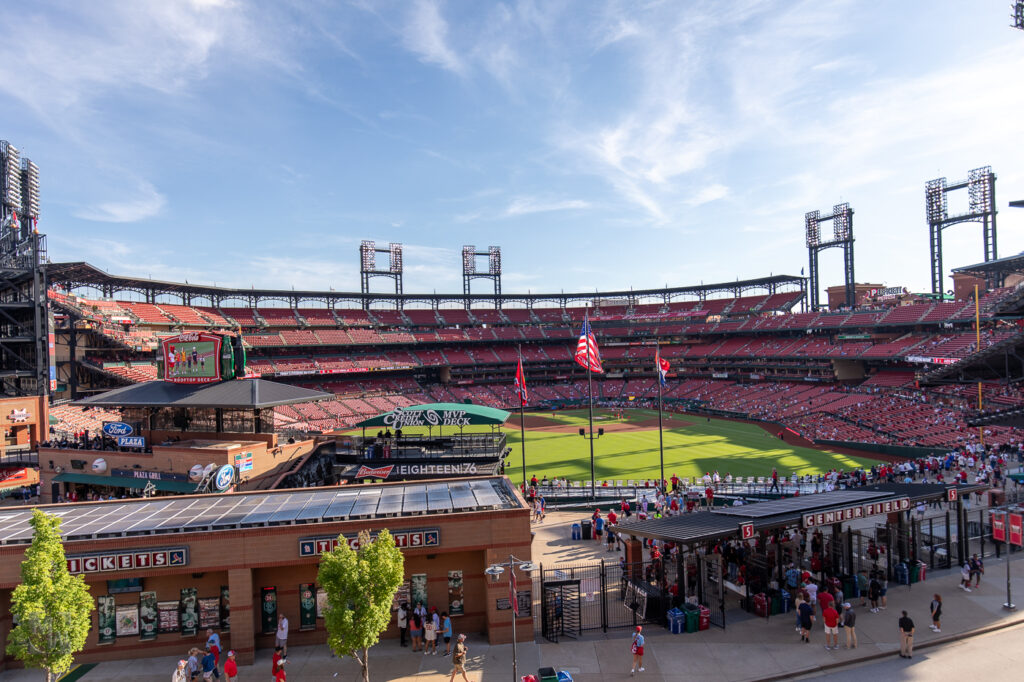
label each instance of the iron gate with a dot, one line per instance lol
(712, 589)
(576, 598)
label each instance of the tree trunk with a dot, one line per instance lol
(366, 664)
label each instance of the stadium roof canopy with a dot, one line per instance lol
(1006, 264)
(438, 414)
(788, 511)
(248, 394)
(80, 274)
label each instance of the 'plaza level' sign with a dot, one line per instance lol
(858, 511)
(131, 560)
(406, 539)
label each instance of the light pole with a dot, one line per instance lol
(495, 570)
(591, 437)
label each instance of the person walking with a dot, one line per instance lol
(977, 570)
(806, 621)
(193, 663)
(430, 637)
(281, 675)
(637, 647)
(213, 642)
(906, 626)
(831, 619)
(209, 666)
(416, 631)
(965, 577)
(181, 674)
(936, 608)
(402, 617)
(874, 592)
(231, 668)
(459, 659)
(281, 637)
(850, 625)
(274, 662)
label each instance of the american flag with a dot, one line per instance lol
(524, 395)
(662, 367)
(587, 354)
(512, 591)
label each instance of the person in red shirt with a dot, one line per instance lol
(709, 495)
(275, 661)
(281, 675)
(675, 483)
(831, 618)
(826, 600)
(230, 668)
(612, 518)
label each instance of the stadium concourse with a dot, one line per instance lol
(844, 376)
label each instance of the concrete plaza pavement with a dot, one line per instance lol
(748, 649)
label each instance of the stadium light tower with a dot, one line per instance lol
(981, 192)
(1018, 14)
(842, 237)
(368, 251)
(470, 272)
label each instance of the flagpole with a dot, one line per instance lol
(522, 412)
(661, 437)
(590, 392)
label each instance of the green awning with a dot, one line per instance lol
(438, 414)
(124, 482)
(1017, 477)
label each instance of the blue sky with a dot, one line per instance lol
(601, 145)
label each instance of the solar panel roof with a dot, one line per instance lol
(218, 512)
(803, 503)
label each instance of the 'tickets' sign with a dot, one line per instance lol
(408, 539)
(1016, 524)
(127, 560)
(859, 511)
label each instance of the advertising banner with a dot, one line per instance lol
(168, 617)
(127, 620)
(268, 612)
(998, 520)
(321, 602)
(456, 603)
(189, 612)
(307, 606)
(401, 597)
(106, 619)
(1015, 531)
(147, 615)
(225, 609)
(209, 612)
(418, 589)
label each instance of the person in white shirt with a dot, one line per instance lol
(281, 638)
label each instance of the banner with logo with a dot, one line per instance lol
(189, 611)
(1016, 528)
(127, 620)
(106, 619)
(401, 597)
(456, 603)
(418, 589)
(225, 609)
(321, 602)
(307, 606)
(998, 520)
(147, 615)
(268, 610)
(209, 612)
(168, 616)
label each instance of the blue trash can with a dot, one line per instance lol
(676, 621)
(786, 601)
(902, 574)
(577, 531)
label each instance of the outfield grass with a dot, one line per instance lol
(730, 447)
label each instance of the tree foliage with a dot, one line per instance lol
(360, 586)
(52, 607)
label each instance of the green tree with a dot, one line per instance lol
(52, 607)
(360, 586)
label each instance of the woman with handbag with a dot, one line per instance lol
(638, 651)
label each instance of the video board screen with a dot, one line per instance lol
(192, 358)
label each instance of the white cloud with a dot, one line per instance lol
(527, 205)
(426, 34)
(146, 203)
(708, 194)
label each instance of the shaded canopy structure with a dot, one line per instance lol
(251, 394)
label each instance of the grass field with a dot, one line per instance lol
(629, 449)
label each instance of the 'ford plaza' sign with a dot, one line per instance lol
(114, 429)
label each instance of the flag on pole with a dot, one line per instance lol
(662, 366)
(512, 591)
(587, 354)
(524, 395)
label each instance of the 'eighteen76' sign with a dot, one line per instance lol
(407, 539)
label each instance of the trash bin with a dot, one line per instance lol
(922, 570)
(577, 531)
(692, 612)
(676, 621)
(915, 573)
(850, 587)
(587, 524)
(761, 605)
(705, 618)
(787, 601)
(774, 602)
(902, 574)
(547, 675)
(564, 676)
